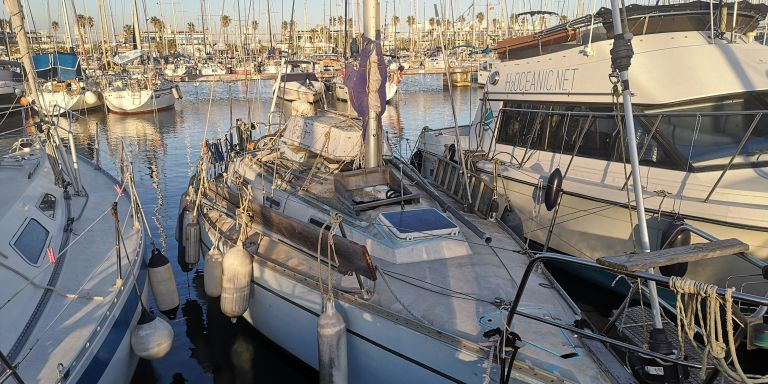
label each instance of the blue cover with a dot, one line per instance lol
(57, 66)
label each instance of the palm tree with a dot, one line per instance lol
(410, 21)
(191, 27)
(81, 21)
(432, 24)
(127, 33)
(480, 17)
(159, 27)
(225, 20)
(55, 29)
(395, 22)
(90, 23)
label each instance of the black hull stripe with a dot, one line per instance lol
(368, 340)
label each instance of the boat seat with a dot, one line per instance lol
(636, 262)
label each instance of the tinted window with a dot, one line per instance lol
(31, 241)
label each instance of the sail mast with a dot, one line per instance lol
(269, 26)
(372, 137)
(17, 25)
(136, 32)
(68, 35)
(621, 55)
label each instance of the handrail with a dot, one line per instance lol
(7, 370)
(706, 236)
(612, 114)
(659, 279)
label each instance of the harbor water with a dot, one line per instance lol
(164, 148)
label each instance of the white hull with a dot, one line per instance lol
(292, 91)
(144, 101)
(56, 103)
(341, 92)
(391, 90)
(482, 76)
(212, 71)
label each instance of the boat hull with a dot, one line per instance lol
(293, 91)
(126, 102)
(56, 103)
(379, 349)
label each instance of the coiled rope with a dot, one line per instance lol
(717, 341)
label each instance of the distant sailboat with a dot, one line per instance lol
(65, 87)
(141, 93)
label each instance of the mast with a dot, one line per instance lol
(17, 25)
(136, 32)
(202, 19)
(621, 55)
(372, 135)
(269, 26)
(68, 35)
(346, 17)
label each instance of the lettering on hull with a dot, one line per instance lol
(547, 80)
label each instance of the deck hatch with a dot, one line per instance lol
(418, 223)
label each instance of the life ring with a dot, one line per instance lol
(452, 63)
(72, 87)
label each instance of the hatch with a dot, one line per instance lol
(413, 224)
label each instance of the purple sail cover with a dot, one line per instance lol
(357, 81)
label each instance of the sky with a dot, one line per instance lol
(309, 12)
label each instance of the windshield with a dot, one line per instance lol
(710, 132)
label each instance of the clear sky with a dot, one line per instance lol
(317, 11)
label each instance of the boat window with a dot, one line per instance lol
(48, 205)
(31, 241)
(714, 133)
(517, 127)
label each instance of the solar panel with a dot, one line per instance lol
(418, 223)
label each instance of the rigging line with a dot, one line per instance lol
(131, 269)
(459, 295)
(61, 251)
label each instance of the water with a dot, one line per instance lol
(164, 149)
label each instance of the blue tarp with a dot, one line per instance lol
(57, 66)
(356, 81)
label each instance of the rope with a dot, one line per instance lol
(716, 342)
(615, 95)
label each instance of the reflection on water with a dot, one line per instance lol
(164, 149)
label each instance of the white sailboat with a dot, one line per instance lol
(297, 81)
(73, 276)
(409, 269)
(145, 92)
(11, 85)
(699, 94)
(65, 88)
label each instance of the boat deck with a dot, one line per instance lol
(452, 296)
(70, 331)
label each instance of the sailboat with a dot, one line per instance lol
(699, 93)
(65, 88)
(314, 221)
(298, 81)
(145, 92)
(74, 283)
(140, 93)
(11, 85)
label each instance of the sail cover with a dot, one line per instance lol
(370, 74)
(57, 66)
(127, 57)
